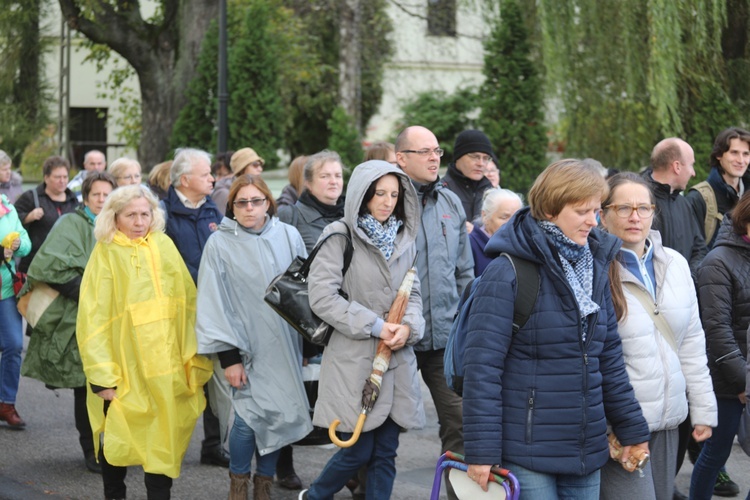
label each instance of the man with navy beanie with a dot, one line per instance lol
(472, 153)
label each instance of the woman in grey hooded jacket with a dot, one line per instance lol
(257, 362)
(382, 214)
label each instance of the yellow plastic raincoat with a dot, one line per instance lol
(136, 332)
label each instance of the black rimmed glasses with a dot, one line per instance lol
(425, 152)
(256, 202)
(625, 211)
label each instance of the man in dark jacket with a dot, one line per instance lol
(472, 153)
(726, 182)
(672, 162)
(191, 218)
(445, 266)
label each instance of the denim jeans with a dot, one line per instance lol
(540, 486)
(11, 345)
(242, 449)
(376, 449)
(716, 449)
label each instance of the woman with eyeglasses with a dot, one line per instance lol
(257, 355)
(126, 171)
(662, 339)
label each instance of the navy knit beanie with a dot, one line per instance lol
(472, 141)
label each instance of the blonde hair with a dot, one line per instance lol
(106, 225)
(565, 182)
(159, 175)
(119, 165)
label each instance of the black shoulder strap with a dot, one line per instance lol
(347, 252)
(527, 289)
(36, 198)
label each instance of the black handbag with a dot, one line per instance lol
(287, 294)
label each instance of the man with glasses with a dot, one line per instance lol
(472, 154)
(191, 217)
(445, 265)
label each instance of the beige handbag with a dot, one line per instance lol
(33, 304)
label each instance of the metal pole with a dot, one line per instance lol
(223, 94)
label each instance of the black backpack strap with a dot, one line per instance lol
(348, 251)
(36, 198)
(527, 290)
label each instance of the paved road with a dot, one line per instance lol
(45, 461)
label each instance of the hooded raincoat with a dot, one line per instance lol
(236, 268)
(52, 355)
(371, 283)
(136, 333)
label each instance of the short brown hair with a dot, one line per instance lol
(93, 177)
(379, 151)
(296, 173)
(741, 215)
(569, 181)
(54, 162)
(246, 180)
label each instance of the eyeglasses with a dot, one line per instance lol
(256, 202)
(483, 159)
(425, 152)
(130, 178)
(625, 211)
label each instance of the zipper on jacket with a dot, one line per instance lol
(530, 415)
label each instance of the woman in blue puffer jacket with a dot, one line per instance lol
(538, 401)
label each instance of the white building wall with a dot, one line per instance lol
(423, 63)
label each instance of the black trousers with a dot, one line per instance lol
(158, 486)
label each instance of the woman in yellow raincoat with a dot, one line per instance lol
(136, 337)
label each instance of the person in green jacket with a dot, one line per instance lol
(52, 355)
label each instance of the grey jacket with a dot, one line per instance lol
(445, 262)
(371, 283)
(308, 221)
(235, 270)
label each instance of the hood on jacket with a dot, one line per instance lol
(367, 173)
(521, 236)
(727, 237)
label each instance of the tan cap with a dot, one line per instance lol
(242, 158)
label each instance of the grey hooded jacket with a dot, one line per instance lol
(371, 283)
(234, 272)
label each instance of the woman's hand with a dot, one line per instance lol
(16, 244)
(743, 398)
(7, 253)
(107, 394)
(480, 474)
(395, 336)
(235, 375)
(34, 215)
(701, 432)
(630, 450)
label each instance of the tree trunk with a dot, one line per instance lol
(350, 68)
(162, 55)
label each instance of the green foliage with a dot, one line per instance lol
(39, 149)
(446, 115)
(310, 67)
(196, 125)
(659, 72)
(24, 97)
(256, 114)
(344, 138)
(512, 102)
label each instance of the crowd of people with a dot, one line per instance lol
(147, 300)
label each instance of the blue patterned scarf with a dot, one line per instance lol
(578, 264)
(382, 236)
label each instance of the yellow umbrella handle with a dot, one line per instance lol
(355, 436)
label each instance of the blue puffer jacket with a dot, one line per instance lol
(542, 398)
(190, 228)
